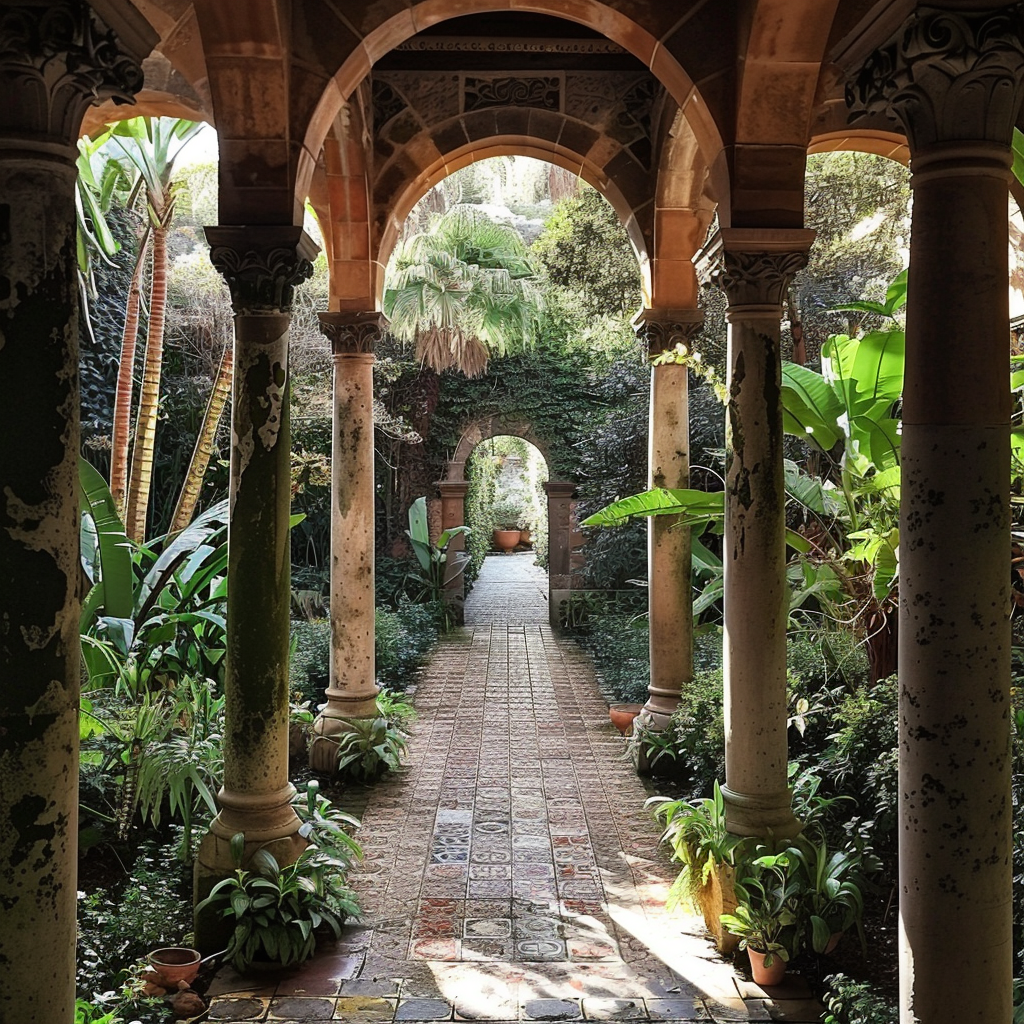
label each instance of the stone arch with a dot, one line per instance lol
(561, 528)
(479, 430)
(442, 166)
(776, 96)
(637, 39)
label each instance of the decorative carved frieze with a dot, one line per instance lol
(387, 103)
(543, 92)
(262, 265)
(353, 333)
(56, 60)
(661, 330)
(462, 44)
(950, 76)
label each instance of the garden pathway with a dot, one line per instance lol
(511, 871)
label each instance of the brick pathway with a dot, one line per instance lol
(510, 591)
(511, 871)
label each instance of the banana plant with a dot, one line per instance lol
(438, 565)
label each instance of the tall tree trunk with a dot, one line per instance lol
(149, 395)
(186, 506)
(126, 385)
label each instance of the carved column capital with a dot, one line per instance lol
(754, 267)
(948, 76)
(353, 333)
(57, 59)
(262, 265)
(662, 329)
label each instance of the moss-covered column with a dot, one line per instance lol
(453, 513)
(560, 495)
(667, 334)
(754, 267)
(56, 60)
(261, 266)
(352, 692)
(954, 80)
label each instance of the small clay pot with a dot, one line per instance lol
(622, 716)
(174, 964)
(772, 975)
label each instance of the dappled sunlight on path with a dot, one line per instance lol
(511, 870)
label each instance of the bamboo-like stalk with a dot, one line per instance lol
(149, 395)
(125, 385)
(186, 506)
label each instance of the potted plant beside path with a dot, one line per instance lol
(508, 519)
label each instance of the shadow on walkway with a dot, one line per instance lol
(511, 871)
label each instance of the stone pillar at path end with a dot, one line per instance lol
(261, 265)
(352, 691)
(453, 514)
(667, 334)
(754, 267)
(954, 79)
(560, 495)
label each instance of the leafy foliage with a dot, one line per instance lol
(370, 746)
(579, 227)
(276, 911)
(462, 291)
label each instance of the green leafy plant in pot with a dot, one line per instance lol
(767, 914)
(277, 911)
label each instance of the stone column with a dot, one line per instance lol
(954, 80)
(754, 267)
(560, 497)
(669, 594)
(261, 266)
(453, 513)
(352, 692)
(56, 60)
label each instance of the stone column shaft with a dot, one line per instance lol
(955, 81)
(261, 266)
(56, 60)
(755, 269)
(352, 692)
(670, 600)
(560, 496)
(453, 513)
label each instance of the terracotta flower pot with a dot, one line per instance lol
(506, 539)
(174, 964)
(772, 975)
(622, 716)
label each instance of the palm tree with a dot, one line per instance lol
(151, 145)
(462, 291)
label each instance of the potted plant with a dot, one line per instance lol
(508, 516)
(277, 911)
(767, 915)
(832, 897)
(697, 834)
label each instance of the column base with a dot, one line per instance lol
(763, 815)
(332, 723)
(269, 823)
(660, 706)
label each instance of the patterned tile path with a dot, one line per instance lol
(511, 871)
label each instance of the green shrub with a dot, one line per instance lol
(620, 647)
(404, 640)
(856, 1002)
(119, 925)
(862, 759)
(310, 659)
(698, 727)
